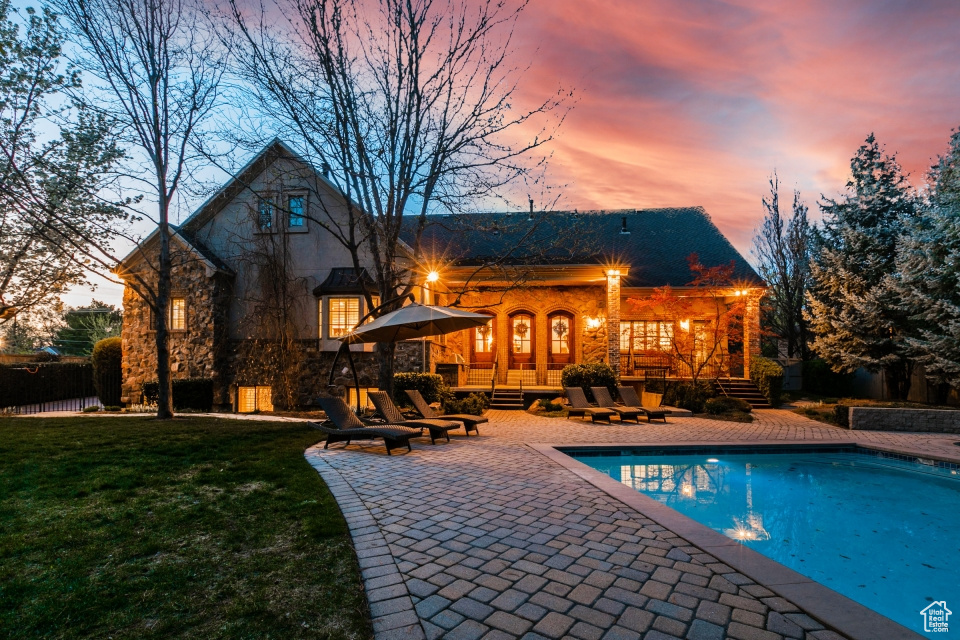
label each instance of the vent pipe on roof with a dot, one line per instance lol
(326, 169)
(623, 225)
(530, 217)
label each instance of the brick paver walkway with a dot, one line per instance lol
(486, 538)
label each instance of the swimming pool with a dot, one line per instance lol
(882, 531)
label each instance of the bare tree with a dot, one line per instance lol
(159, 70)
(782, 249)
(410, 107)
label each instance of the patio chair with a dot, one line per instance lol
(581, 408)
(604, 399)
(629, 396)
(346, 427)
(470, 422)
(385, 407)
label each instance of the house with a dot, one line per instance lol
(262, 290)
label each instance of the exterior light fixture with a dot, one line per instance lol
(433, 276)
(613, 272)
(685, 325)
(592, 323)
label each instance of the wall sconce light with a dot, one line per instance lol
(433, 276)
(592, 323)
(613, 272)
(685, 325)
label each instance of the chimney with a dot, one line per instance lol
(530, 217)
(326, 169)
(623, 225)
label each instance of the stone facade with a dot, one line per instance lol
(197, 351)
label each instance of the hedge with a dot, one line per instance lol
(597, 374)
(430, 386)
(107, 357)
(768, 376)
(475, 404)
(684, 395)
(33, 382)
(726, 404)
(188, 393)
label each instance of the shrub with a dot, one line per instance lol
(841, 414)
(106, 358)
(475, 404)
(549, 406)
(768, 376)
(687, 395)
(430, 386)
(597, 374)
(726, 404)
(188, 393)
(820, 379)
(92, 409)
(112, 409)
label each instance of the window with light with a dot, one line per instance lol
(559, 334)
(343, 314)
(177, 319)
(522, 333)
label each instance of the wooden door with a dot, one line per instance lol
(560, 326)
(522, 341)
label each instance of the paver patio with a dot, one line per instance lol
(485, 537)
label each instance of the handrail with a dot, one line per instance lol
(493, 378)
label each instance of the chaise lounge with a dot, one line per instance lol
(385, 407)
(629, 396)
(604, 399)
(347, 427)
(581, 408)
(469, 422)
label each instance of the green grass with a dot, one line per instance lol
(120, 527)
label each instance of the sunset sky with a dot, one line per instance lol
(696, 102)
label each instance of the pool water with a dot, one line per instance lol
(883, 532)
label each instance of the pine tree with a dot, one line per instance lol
(854, 311)
(929, 273)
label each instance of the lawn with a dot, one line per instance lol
(122, 527)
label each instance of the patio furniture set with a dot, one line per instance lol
(606, 408)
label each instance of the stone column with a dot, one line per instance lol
(751, 332)
(613, 320)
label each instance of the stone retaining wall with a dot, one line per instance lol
(915, 420)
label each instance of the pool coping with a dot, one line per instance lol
(817, 600)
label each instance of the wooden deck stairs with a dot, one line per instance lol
(744, 389)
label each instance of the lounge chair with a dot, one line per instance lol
(604, 399)
(629, 396)
(470, 422)
(385, 407)
(580, 407)
(347, 427)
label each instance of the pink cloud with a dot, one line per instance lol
(695, 102)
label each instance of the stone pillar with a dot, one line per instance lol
(613, 320)
(751, 332)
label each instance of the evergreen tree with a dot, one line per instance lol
(85, 326)
(854, 310)
(929, 273)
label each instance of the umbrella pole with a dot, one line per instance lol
(353, 368)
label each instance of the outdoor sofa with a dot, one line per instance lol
(581, 408)
(345, 426)
(470, 422)
(385, 407)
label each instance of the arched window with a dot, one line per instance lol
(561, 329)
(483, 340)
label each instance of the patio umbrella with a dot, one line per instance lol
(415, 321)
(409, 322)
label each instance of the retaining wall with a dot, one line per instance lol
(884, 419)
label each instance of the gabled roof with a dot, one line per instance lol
(189, 241)
(654, 243)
